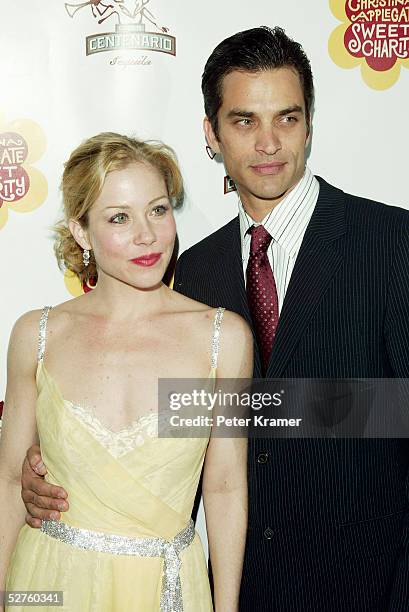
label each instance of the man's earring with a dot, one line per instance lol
(210, 152)
(86, 257)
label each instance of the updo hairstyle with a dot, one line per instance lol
(84, 176)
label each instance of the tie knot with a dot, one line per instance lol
(260, 239)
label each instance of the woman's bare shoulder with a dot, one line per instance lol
(27, 326)
(68, 308)
(182, 303)
(23, 340)
(235, 327)
(236, 347)
(188, 305)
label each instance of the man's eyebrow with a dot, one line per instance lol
(291, 109)
(238, 112)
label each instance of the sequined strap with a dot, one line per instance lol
(42, 333)
(171, 592)
(216, 336)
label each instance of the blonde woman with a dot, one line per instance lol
(82, 382)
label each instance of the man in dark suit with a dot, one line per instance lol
(327, 517)
(323, 279)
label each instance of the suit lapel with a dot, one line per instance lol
(317, 262)
(229, 273)
(230, 282)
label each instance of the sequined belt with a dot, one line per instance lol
(171, 594)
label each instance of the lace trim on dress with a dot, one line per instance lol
(118, 443)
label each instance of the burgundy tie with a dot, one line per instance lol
(262, 292)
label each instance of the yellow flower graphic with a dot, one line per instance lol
(373, 36)
(23, 188)
(74, 286)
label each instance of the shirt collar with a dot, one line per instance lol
(294, 211)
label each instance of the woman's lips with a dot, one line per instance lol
(273, 168)
(147, 260)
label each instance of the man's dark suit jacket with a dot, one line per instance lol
(328, 518)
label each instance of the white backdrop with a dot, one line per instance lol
(360, 133)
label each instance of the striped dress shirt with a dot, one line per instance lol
(286, 223)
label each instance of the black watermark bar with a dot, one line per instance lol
(31, 598)
(284, 408)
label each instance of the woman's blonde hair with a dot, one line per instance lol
(84, 176)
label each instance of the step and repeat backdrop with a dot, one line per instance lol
(72, 69)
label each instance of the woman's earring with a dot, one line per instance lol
(210, 152)
(86, 257)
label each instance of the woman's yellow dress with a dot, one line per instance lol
(131, 483)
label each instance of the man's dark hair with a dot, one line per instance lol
(254, 50)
